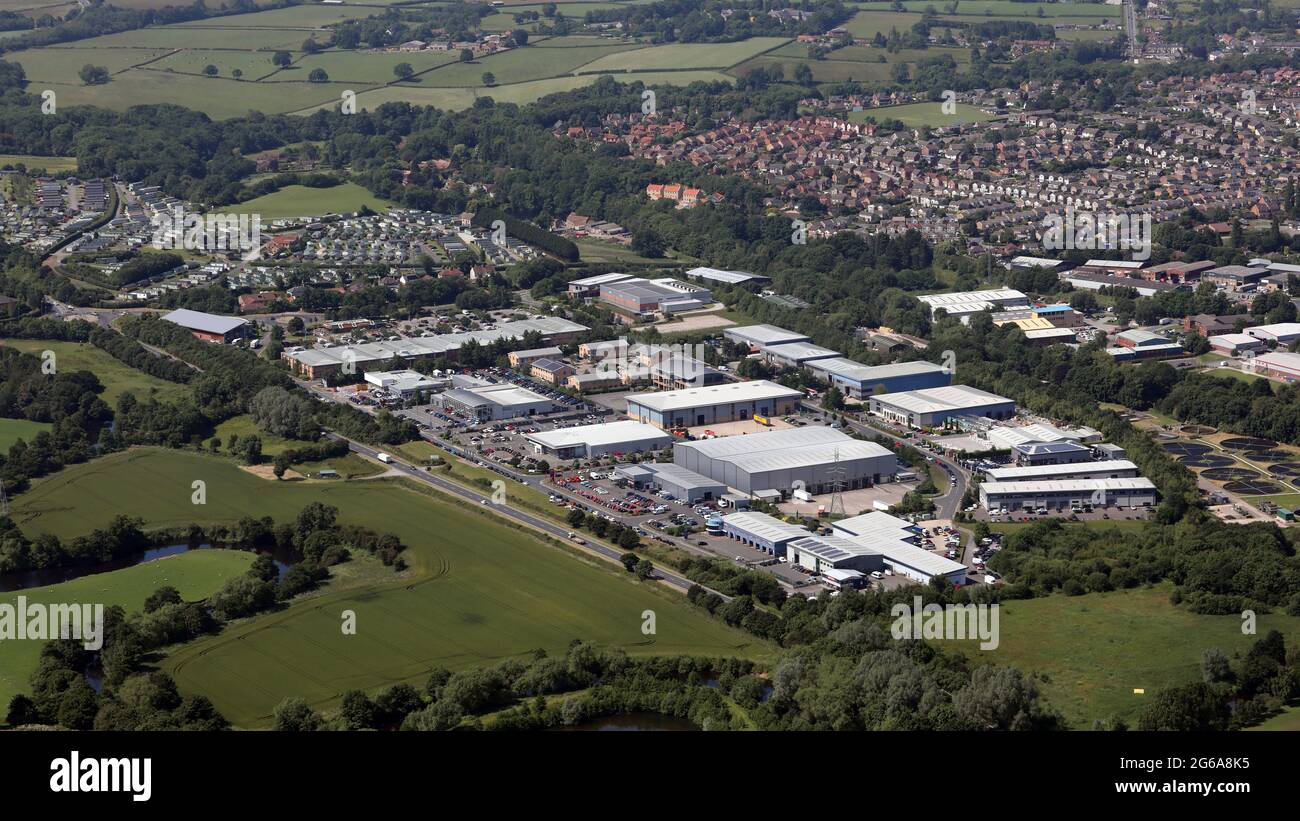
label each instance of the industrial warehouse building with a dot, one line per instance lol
(794, 354)
(897, 540)
(821, 554)
(405, 383)
(595, 441)
(1050, 453)
(318, 363)
(760, 336)
(1067, 493)
(1278, 365)
(931, 407)
(1110, 469)
(639, 296)
(728, 402)
(1003, 437)
(762, 532)
(859, 381)
(865, 544)
(684, 485)
(1279, 333)
(491, 403)
(964, 305)
(209, 327)
(817, 457)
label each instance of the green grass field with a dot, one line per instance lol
(301, 201)
(196, 574)
(917, 114)
(52, 165)
(116, 377)
(479, 590)
(349, 465)
(684, 56)
(61, 65)
(520, 65)
(253, 64)
(362, 67)
(1096, 649)
(1003, 8)
(11, 430)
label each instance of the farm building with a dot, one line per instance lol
(713, 404)
(860, 381)
(781, 459)
(1067, 493)
(595, 441)
(209, 327)
(932, 407)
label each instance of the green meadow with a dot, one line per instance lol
(918, 114)
(196, 574)
(1095, 650)
(116, 377)
(11, 430)
(301, 201)
(478, 590)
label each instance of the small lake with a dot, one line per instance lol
(635, 722)
(28, 579)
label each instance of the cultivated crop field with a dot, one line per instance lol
(478, 591)
(116, 377)
(195, 574)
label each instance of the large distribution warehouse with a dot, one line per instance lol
(931, 407)
(777, 460)
(729, 402)
(595, 441)
(860, 381)
(1067, 493)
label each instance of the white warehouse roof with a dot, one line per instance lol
(1067, 486)
(208, 323)
(1030, 472)
(609, 433)
(713, 395)
(765, 527)
(937, 400)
